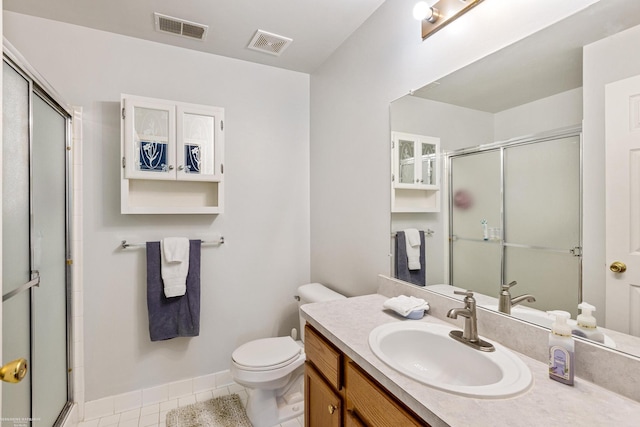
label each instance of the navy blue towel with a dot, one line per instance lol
(177, 316)
(417, 277)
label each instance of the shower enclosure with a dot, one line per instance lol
(515, 215)
(36, 251)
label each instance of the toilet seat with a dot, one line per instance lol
(266, 354)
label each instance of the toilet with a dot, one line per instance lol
(272, 368)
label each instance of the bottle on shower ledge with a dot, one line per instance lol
(485, 230)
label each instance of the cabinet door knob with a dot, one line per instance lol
(618, 267)
(170, 167)
(332, 409)
(180, 167)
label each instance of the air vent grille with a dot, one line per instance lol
(180, 27)
(269, 43)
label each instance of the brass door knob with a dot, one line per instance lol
(14, 371)
(618, 267)
(332, 409)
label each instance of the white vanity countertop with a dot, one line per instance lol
(347, 324)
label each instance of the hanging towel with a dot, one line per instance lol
(417, 277)
(175, 265)
(173, 317)
(412, 240)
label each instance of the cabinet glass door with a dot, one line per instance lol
(198, 152)
(415, 161)
(428, 173)
(149, 140)
(406, 161)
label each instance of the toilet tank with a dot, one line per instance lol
(314, 292)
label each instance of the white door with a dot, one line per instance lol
(622, 136)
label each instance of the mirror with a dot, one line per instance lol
(537, 86)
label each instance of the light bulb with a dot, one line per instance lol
(424, 11)
(421, 10)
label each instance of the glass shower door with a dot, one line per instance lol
(515, 215)
(16, 268)
(35, 246)
(476, 189)
(49, 319)
(542, 230)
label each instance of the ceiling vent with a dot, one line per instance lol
(180, 27)
(269, 43)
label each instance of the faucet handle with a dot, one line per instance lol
(468, 295)
(508, 285)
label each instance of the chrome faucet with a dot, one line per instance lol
(469, 335)
(506, 302)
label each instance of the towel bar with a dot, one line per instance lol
(429, 232)
(125, 245)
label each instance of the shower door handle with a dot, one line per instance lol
(14, 371)
(31, 283)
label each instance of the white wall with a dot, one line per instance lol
(247, 284)
(457, 127)
(554, 112)
(608, 60)
(350, 96)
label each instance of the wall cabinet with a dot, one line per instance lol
(172, 156)
(339, 393)
(415, 181)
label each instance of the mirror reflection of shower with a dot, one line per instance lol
(519, 219)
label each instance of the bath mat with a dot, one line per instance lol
(223, 411)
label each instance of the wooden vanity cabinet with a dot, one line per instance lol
(323, 406)
(339, 393)
(323, 383)
(370, 404)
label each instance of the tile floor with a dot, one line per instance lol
(156, 415)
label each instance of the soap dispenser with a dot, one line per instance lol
(561, 349)
(587, 326)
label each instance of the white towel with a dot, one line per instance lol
(174, 265)
(412, 240)
(403, 305)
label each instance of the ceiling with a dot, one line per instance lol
(541, 65)
(317, 27)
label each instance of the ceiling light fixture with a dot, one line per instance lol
(435, 14)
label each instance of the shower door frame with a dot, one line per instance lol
(38, 86)
(501, 146)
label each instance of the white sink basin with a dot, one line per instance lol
(425, 352)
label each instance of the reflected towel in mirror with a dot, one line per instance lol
(412, 240)
(417, 277)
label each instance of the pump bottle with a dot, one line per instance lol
(561, 349)
(587, 326)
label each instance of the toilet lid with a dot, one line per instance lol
(267, 353)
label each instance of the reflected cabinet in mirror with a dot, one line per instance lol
(415, 181)
(527, 219)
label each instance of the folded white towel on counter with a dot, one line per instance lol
(174, 265)
(412, 240)
(404, 305)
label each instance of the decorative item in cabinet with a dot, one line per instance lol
(172, 157)
(415, 182)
